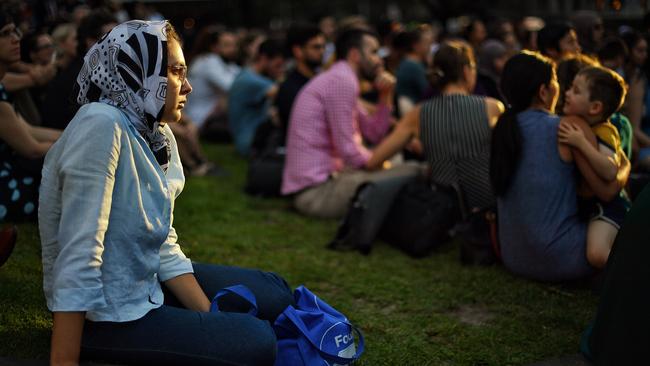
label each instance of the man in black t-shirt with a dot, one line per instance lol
(307, 45)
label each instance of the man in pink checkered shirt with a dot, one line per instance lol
(326, 159)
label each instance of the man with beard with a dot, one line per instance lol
(307, 45)
(252, 92)
(326, 158)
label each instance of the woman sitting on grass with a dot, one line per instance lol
(110, 251)
(18, 186)
(454, 128)
(533, 176)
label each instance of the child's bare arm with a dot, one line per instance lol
(602, 160)
(605, 191)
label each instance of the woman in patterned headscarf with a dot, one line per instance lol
(109, 248)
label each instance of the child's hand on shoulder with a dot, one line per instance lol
(570, 135)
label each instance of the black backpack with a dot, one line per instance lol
(266, 162)
(420, 218)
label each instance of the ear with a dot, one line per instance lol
(354, 55)
(296, 51)
(542, 92)
(596, 108)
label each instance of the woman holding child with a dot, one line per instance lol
(117, 282)
(533, 176)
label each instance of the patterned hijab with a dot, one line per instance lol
(127, 68)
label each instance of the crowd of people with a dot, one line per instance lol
(542, 122)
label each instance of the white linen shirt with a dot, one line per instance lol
(105, 219)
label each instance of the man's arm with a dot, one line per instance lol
(374, 126)
(340, 105)
(401, 135)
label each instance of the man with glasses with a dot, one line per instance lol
(40, 48)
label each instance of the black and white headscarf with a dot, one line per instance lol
(127, 68)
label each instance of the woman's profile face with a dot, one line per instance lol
(178, 87)
(569, 44)
(69, 44)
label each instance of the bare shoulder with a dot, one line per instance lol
(574, 120)
(494, 108)
(582, 124)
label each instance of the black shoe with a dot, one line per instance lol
(8, 235)
(347, 235)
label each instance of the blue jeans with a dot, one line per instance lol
(173, 335)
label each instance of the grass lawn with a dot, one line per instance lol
(431, 311)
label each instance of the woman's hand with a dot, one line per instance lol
(188, 292)
(66, 338)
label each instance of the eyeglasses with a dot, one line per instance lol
(180, 71)
(11, 32)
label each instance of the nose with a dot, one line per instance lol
(186, 88)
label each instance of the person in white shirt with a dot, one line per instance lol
(212, 72)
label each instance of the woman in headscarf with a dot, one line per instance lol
(109, 248)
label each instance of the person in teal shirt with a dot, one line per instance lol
(252, 93)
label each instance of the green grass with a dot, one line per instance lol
(431, 311)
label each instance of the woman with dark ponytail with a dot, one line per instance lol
(455, 128)
(534, 178)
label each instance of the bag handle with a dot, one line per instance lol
(240, 290)
(331, 357)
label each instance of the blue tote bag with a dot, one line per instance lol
(313, 333)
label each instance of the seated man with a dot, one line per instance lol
(252, 92)
(307, 45)
(325, 153)
(212, 71)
